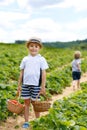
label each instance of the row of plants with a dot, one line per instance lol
(12, 54)
(67, 114)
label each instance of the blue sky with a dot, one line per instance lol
(50, 20)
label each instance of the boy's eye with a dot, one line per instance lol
(36, 46)
(31, 45)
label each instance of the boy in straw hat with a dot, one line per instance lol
(29, 76)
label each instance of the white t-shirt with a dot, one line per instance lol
(75, 64)
(32, 65)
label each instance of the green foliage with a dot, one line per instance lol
(67, 114)
(58, 74)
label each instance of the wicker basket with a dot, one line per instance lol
(14, 106)
(41, 106)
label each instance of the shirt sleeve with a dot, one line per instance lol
(44, 64)
(22, 65)
(79, 62)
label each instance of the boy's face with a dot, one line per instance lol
(34, 48)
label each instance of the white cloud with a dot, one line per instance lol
(13, 16)
(29, 4)
(5, 2)
(47, 29)
(42, 24)
(24, 4)
(9, 20)
(77, 25)
(3, 35)
(6, 25)
(19, 25)
(40, 27)
(50, 30)
(35, 28)
(79, 5)
(43, 3)
(9, 23)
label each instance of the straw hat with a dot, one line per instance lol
(34, 40)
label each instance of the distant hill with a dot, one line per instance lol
(77, 43)
(58, 44)
(81, 43)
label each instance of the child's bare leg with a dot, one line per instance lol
(37, 114)
(78, 84)
(26, 112)
(73, 84)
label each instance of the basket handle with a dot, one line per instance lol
(18, 95)
(44, 95)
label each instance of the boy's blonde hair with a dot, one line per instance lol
(77, 54)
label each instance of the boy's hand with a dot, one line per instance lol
(19, 88)
(18, 91)
(43, 90)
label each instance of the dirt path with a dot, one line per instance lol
(15, 123)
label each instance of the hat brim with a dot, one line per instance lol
(34, 41)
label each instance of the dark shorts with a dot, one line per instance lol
(30, 92)
(76, 75)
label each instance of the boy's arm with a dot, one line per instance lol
(20, 79)
(43, 83)
(78, 65)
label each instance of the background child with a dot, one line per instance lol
(76, 69)
(30, 74)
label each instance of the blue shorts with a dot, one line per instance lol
(30, 92)
(76, 75)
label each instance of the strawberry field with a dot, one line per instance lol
(67, 114)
